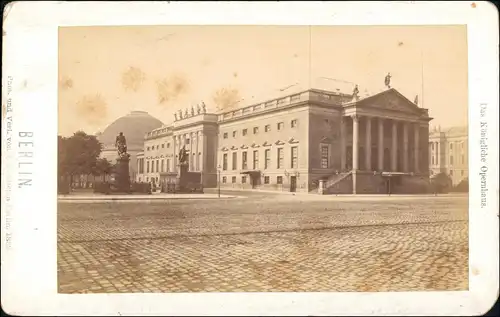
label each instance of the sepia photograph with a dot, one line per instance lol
(262, 158)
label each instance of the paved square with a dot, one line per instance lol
(264, 243)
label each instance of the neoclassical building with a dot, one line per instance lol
(448, 153)
(309, 141)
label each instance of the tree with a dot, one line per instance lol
(102, 167)
(77, 155)
(441, 183)
(463, 186)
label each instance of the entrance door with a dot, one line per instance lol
(293, 183)
(253, 181)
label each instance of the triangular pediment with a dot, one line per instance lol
(244, 146)
(266, 144)
(224, 149)
(326, 140)
(234, 147)
(390, 100)
(292, 141)
(255, 145)
(279, 142)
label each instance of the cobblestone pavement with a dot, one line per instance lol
(263, 244)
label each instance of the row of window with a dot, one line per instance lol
(267, 128)
(279, 180)
(280, 159)
(158, 166)
(451, 145)
(434, 160)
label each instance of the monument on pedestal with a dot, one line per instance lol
(121, 171)
(183, 169)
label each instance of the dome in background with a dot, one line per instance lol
(134, 126)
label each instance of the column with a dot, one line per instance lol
(394, 147)
(201, 149)
(342, 144)
(380, 144)
(191, 156)
(405, 147)
(368, 144)
(174, 158)
(355, 149)
(355, 142)
(416, 146)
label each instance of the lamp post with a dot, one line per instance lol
(218, 181)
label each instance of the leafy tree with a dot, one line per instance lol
(441, 183)
(102, 167)
(463, 186)
(77, 155)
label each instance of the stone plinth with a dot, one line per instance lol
(121, 175)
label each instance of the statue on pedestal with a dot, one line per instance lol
(180, 114)
(121, 145)
(186, 113)
(175, 116)
(198, 109)
(183, 156)
(203, 107)
(192, 110)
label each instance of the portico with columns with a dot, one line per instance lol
(384, 135)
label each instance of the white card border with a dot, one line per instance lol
(30, 56)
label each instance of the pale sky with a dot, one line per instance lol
(106, 72)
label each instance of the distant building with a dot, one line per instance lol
(448, 153)
(299, 142)
(134, 126)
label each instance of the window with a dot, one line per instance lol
(235, 160)
(266, 179)
(147, 179)
(244, 161)
(255, 130)
(295, 157)
(187, 141)
(168, 165)
(243, 179)
(451, 159)
(267, 128)
(279, 180)
(244, 132)
(294, 123)
(234, 134)
(463, 159)
(432, 160)
(255, 159)
(225, 135)
(233, 179)
(147, 167)
(281, 125)
(451, 146)
(162, 166)
(224, 179)
(267, 162)
(163, 145)
(147, 149)
(168, 145)
(324, 156)
(432, 146)
(157, 147)
(157, 166)
(224, 162)
(281, 158)
(152, 166)
(451, 172)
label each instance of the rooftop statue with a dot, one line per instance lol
(198, 109)
(388, 80)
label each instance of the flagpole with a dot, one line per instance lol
(422, 78)
(310, 42)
